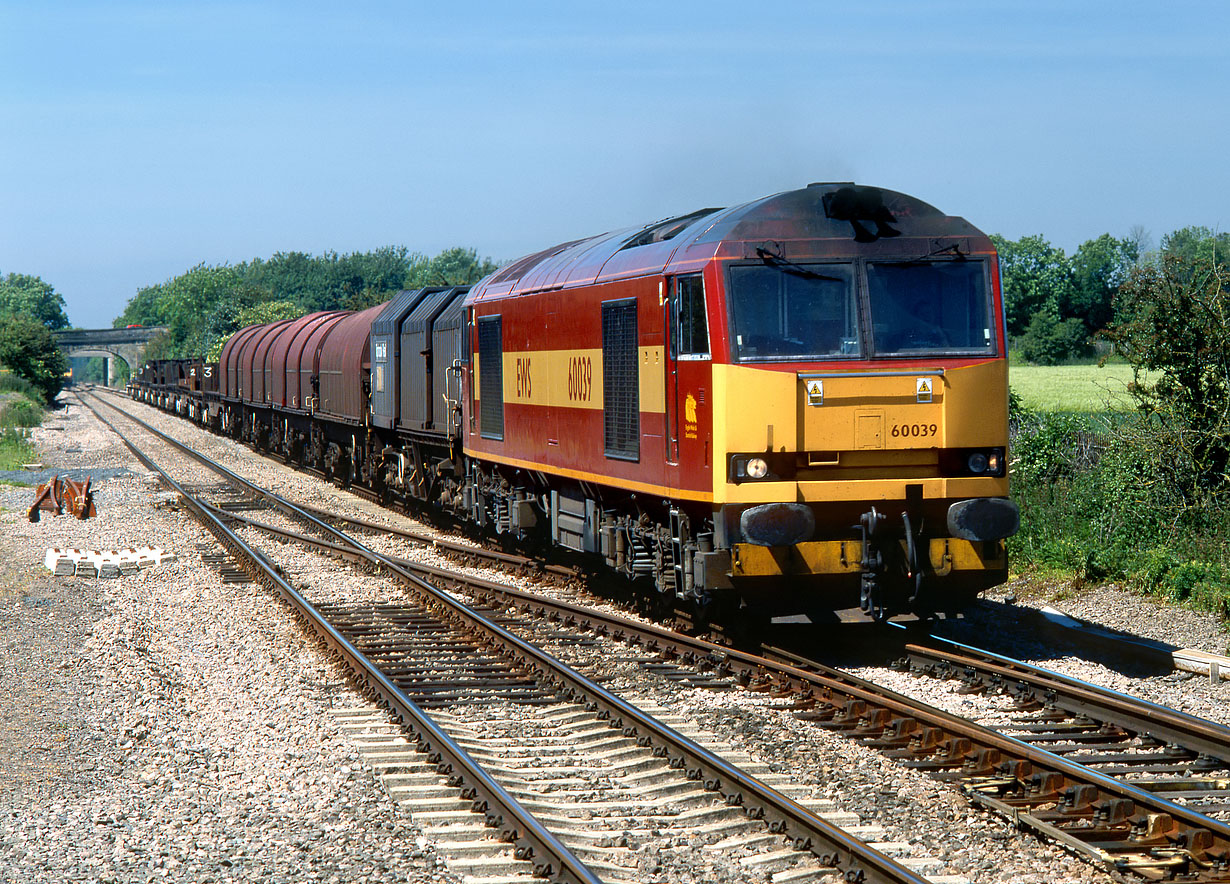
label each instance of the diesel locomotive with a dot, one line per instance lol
(795, 405)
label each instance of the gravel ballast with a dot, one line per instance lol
(170, 726)
(167, 725)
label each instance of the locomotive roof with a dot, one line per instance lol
(836, 219)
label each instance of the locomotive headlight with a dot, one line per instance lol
(977, 463)
(760, 467)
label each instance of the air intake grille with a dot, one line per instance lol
(491, 377)
(620, 381)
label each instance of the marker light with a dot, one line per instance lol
(977, 463)
(757, 468)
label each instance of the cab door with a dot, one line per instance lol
(689, 420)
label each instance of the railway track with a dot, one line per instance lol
(446, 672)
(1167, 752)
(1126, 808)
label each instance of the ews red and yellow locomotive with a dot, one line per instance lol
(798, 404)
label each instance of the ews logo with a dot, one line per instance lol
(524, 385)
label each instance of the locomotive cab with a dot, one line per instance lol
(860, 416)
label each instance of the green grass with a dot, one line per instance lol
(17, 414)
(1085, 388)
(15, 450)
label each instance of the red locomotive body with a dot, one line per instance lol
(795, 404)
(803, 397)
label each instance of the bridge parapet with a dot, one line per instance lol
(127, 344)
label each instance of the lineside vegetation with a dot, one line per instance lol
(20, 409)
(1141, 496)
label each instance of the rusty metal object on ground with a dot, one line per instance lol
(60, 494)
(47, 497)
(78, 498)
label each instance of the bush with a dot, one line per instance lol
(11, 383)
(1146, 496)
(1097, 504)
(1200, 583)
(15, 448)
(1050, 341)
(1177, 339)
(1089, 493)
(17, 414)
(20, 412)
(1048, 445)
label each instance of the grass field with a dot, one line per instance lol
(1072, 387)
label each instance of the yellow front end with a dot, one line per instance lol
(906, 442)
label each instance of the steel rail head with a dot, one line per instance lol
(810, 677)
(847, 685)
(836, 847)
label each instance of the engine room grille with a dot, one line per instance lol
(491, 377)
(620, 381)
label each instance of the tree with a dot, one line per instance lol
(91, 371)
(332, 281)
(1034, 276)
(204, 306)
(190, 305)
(30, 296)
(258, 314)
(455, 266)
(1099, 267)
(1142, 241)
(1197, 250)
(1049, 341)
(1176, 334)
(29, 351)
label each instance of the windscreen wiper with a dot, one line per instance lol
(785, 265)
(955, 248)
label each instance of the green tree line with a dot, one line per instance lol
(205, 305)
(1057, 305)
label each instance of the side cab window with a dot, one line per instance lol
(691, 335)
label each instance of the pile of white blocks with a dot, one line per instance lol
(105, 563)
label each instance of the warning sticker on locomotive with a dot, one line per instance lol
(815, 391)
(924, 389)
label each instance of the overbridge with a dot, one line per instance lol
(127, 344)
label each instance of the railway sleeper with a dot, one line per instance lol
(1110, 830)
(898, 733)
(950, 753)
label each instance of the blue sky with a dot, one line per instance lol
(138, 139)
